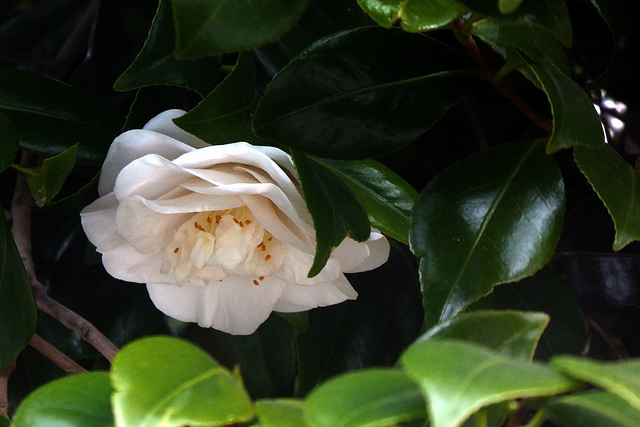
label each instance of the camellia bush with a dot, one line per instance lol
(319, 213)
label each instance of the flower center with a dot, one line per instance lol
(211, 245)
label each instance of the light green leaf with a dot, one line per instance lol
(593, 408)
(508, 6)
(155, 64)
(575, 120)
(512, 334)
(213, 27)
(374, 397)
(74, 401)
(387, 198)
(281, 413)
(617, 184)
(460, 378)
(169, 382)
(335, 209)
(17, 307)
(620, 378)
(415, 15)
(225, 115)
(492, 218)
(8, 142)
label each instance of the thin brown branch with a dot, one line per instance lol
(472, 48)
(4, 385)
(22, 235)
(61, 360)
(606, 338)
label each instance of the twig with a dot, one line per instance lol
(63, 361)
(472, 48)
(4, 392)
(603, 334)
(22, 236)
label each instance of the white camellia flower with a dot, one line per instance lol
(220, 234)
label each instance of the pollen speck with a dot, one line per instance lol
(235, 220)
(264, 248)
(218, 218)
(241, 224)
(261, 278)
(175, 251)
(209, 220)
(248, 221)
(255, 282)
(269, 239)
(268, 257)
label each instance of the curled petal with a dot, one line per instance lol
(125, 263)
(301, 298)
(150, 176)
(356, 257)
(99, 222)
(163, 123)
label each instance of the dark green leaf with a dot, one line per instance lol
(620, 378)
(51, 116)
(155, 64)
(335, 209)
(508, 6)
(415, 15)
(167, 381)
(73, 401)
(281, 413)
(17, 308)
(225, 115)
(153, 100)
(459, 378)
(74, 203)
(8, 142)
(363, 93)
(617, 184)
(4, 422)
(575, 120)
(593, 408)
(512, 334)
(213, 27)
(370, 397)
(387, 198)
(492, 218)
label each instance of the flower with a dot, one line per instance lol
(220, 234)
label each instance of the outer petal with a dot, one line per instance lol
(125, 263)
(301, 298)
(235, 305)
(132, 145)
(99, 223)
(356, 257)
(150, 176)
(163, 123)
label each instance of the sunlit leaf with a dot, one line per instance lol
(593, 408)
(414, 15)
(155, 64)
(74, 401)
(17, 307)
(459, 378)
(167, 381)
(513, 334)
(363, 93)
(369, 397)
(492, 218)
(281, 413)
(617, 184)
(213, 27)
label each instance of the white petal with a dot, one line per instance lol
(192, 202)
(378, 254)
(132, 145)
(125, 263)
(150, 176)
(99, 223)
(235, 305)
(319, 295)
(163, 123)
(296, 266)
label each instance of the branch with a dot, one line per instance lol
(63, 361)
(606, 338)
(4, 392)
(22, 235)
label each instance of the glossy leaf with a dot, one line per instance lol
(492, 218)
(17, 307)
(51, 116)
(575, 120)
(225, 114)
(414, 15)
(617, 184)
(620, 378)
(8, 142)
(213, 27)
(281, 413)
(73, 401)
(508, 6)
(387, 198)
(512, 334)
(593, 408)
(166, 381)
(369, 397)
(155, 64)
(363, 93)
(335, 209)
(460, 378)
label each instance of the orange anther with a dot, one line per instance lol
(248, 221)
(218, 218)
(235, 220)
(209, 220)
(268, 257)
(175, 251)
(255, 282)
(269, 239)
(261, 278)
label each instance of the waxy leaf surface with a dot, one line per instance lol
(281, 413)
(167, 381)
(414, 15)
(369, 397)
(593, 408)
(617, 184)
(459, 378)
(492, 218)
(363, 93)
